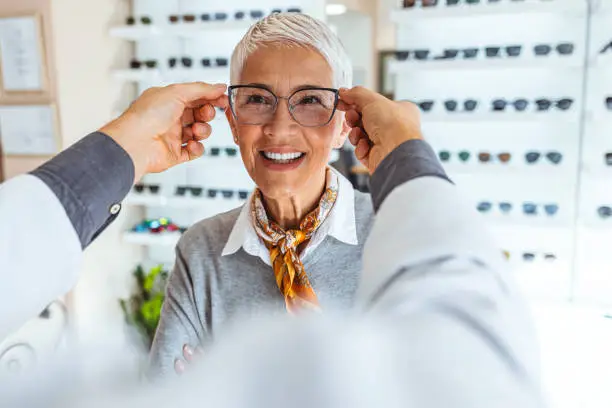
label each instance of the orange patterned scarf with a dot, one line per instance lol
(286, 263)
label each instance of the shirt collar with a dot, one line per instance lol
(340, 224)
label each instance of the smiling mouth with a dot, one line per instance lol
(282, 158)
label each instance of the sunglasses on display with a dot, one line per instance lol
(604, 212)
(140, 188)
(186, 61)
(219, 62)
(609, 102)
(227, 194)
(422, 3)
(485, 157)
(468, 105)
(499, 105)
(229, 151)
(195, 191)
(608, 158)
(445, 156)
(530, 209)
(511, 51)
(561, 104)
(144, 20)
(553, 157)
(136, 64)
(531, 256)
(545, 49)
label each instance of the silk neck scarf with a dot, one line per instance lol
(283, 246)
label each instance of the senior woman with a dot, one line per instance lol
(296, 245)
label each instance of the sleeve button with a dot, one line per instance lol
(114, 210)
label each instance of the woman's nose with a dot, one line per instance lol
(282, 122)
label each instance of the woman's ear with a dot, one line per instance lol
(232, 123)
(344, 132)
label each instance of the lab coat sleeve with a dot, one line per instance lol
(48, 217)
(433, 269)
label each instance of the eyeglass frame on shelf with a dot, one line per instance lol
(336, 92)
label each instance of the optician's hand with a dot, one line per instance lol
(163, 127)
(387, 123)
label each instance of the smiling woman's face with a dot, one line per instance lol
(283, 157)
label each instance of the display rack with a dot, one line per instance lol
(439, 73)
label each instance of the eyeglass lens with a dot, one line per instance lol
(308, 107)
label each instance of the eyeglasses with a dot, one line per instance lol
(186, 61)
(219, 62)
(609, 102)
(153, 188)
(553, 157)
(499, 105)
(604, 212)
(256, 105)
(469, 105)
(485, 157)
(136, 64)
(229, 151)
(445, 156)
(424, 3)
(195, 191)
(531, 256)
(256, 14)
(227, 194)
(561, 104)
(608, 158)
(529, 208)
(144, 20)
(562, 49)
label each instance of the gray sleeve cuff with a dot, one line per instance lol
(90, 179)
(410, 160)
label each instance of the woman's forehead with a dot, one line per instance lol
(285, 68)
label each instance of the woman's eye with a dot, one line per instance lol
(256, 99)
(310, 100)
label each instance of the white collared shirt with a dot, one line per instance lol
(340, 224)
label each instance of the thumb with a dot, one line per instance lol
(359, 97)
(192, 92)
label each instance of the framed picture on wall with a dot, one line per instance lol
(22, 59)
(386, 80)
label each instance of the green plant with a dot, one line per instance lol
(143, 309)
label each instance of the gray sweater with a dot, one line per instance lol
(207, 291)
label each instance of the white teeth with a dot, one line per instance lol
(282, 156)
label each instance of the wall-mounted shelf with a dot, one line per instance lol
(569, 8)
(149, 239)
(501, 64)
(170, 74)
(134, 33)
(150, 200)
(507, 117)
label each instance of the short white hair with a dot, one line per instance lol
(295, 29)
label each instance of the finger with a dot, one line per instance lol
(193, 91)
(188, 117)
(201, 131)
(353, 118)
(205, 113)
(187, 134)
(359, 96)
(179, 366)
(363, 149)
(221, 102)
(191, 151)
(355, 135)
(188, 353)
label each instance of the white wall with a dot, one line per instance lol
(86, 98)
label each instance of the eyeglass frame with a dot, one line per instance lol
(336, 92)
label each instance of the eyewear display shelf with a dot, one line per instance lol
(501, 87)
(180, 41)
